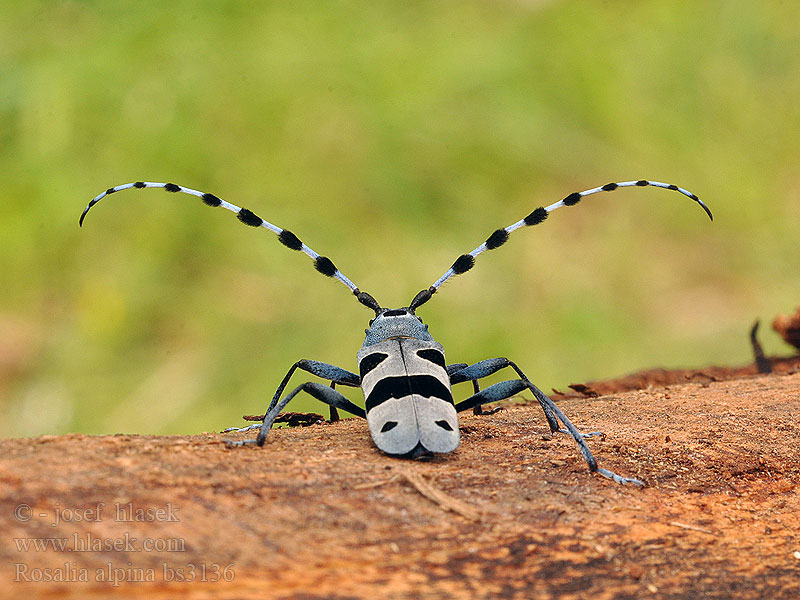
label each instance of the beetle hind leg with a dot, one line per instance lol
(478, 409)
(461, 372)
(507, 389)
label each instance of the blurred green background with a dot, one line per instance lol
(392, 137)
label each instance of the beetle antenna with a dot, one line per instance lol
(499, 237)
(321, 263)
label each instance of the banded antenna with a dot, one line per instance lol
(499, 237)
(321, 263)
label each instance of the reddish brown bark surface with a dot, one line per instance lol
(514, 512)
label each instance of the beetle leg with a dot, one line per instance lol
(507, 389)
(321, 392)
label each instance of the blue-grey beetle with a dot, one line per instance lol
(406, 382)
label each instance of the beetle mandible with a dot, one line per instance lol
(406, 382)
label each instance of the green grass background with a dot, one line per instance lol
(392, 137)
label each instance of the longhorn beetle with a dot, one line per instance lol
(406, 382)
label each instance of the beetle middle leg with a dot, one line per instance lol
(490, 366)
(323, 393)
(477, 410)
(323, 370)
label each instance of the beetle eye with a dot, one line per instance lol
(371, 321)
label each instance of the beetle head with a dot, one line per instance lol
(396, 323)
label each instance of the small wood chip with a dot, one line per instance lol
(293, 419)
(439, 497)
(429, 491)
(692, 527)
(585, 390)
(374, 484)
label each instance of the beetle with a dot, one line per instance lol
(407, 383)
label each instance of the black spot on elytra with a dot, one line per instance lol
(388, 426)
(401, 386)
(444, 425)
(369, 362)
(433, 356)
(428, 386)
(536, 217)
(386, 389)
